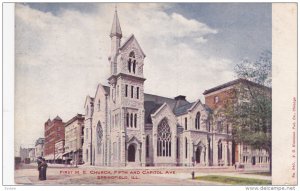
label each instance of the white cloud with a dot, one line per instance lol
(61, 58)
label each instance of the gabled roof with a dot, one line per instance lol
(160, 100)
(88, 97)
(150, 108)
(76, 117)
(128, 40)
(183, 109)
(106, 89)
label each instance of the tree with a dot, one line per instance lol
(250, 110)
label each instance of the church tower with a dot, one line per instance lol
(127, 129)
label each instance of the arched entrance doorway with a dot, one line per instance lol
(131, 153)
(198, 154)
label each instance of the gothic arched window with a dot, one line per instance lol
(99, 136)
(131, 62)
(197, 121)
(164, 139)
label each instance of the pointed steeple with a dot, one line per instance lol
(116, 28)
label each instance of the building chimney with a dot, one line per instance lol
(180, 97)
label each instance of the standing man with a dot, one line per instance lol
(43, 169)
(39, 162)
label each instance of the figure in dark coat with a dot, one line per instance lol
(43, 167)
(39, 162)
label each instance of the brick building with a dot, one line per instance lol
(53, 131)
(216, 99)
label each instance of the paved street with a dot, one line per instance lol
(91, 175)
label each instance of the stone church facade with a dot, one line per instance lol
(124, 126)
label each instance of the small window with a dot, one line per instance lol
(216, 99)
(126, 90)
(185, 123)
(131, 54)
(132, 91)
(137, 92)
(98, 105)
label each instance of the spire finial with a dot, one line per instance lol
(116, 29)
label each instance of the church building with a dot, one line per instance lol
(124, 126)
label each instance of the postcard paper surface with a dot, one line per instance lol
(155, 94)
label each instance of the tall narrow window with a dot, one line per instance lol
(197, 121)
(87, 110)
(126, 90)
(134, 65)
(132, 91)
(131, 120)
(131, 62)
(185, 123)
(147, 146)
(208, 125)
(137, 92)
(177, 148)
(135, 120)
(99, 136)
(220, 150)
(219, 126)
(227, 128)
(186, 148)
(164, 139)
(216, 99)
(129, 65)
(127, 119)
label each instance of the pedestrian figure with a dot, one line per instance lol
(39, 162)
(43, 169)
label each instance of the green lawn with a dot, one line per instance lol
(234, 180)
(260, 173)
